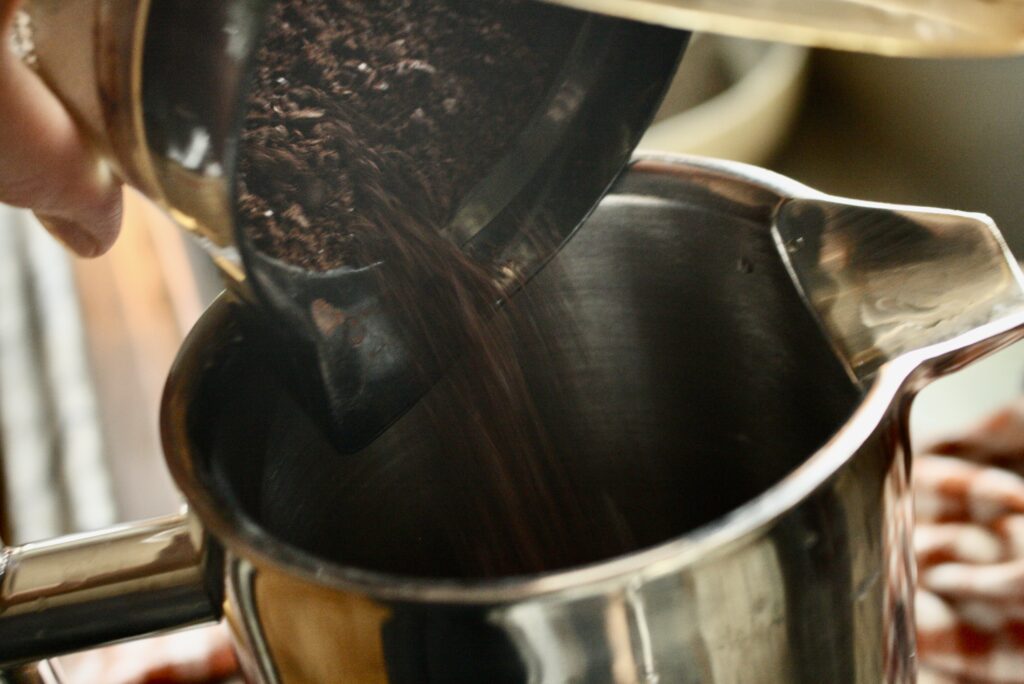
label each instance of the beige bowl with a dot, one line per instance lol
(732, 98)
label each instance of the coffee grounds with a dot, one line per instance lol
(357, 103)
(368, 125)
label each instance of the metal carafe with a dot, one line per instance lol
(757, 342)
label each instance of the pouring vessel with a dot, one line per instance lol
(161, 90)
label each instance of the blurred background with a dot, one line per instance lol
(944, 133)
(85, 345)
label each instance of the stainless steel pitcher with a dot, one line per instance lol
(734, 364)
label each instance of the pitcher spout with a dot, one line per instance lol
(886, 280)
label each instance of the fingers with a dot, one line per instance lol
(45, 162)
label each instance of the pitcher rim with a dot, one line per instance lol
(240, 534)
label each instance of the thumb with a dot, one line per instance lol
(46, 163)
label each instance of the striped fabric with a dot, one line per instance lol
(194, 656)
(969, 544)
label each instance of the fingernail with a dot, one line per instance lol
(71, 235)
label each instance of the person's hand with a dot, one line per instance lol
(45, 162)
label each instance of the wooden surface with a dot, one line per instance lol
(138, 302)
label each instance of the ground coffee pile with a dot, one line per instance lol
(358, 103)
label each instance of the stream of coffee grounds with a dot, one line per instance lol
(368, 124)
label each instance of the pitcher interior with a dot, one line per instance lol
(669, 373)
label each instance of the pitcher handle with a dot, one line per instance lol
(86, 590)
(887, 280)
(44, 672)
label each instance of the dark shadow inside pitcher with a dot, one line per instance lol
(673, 370)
